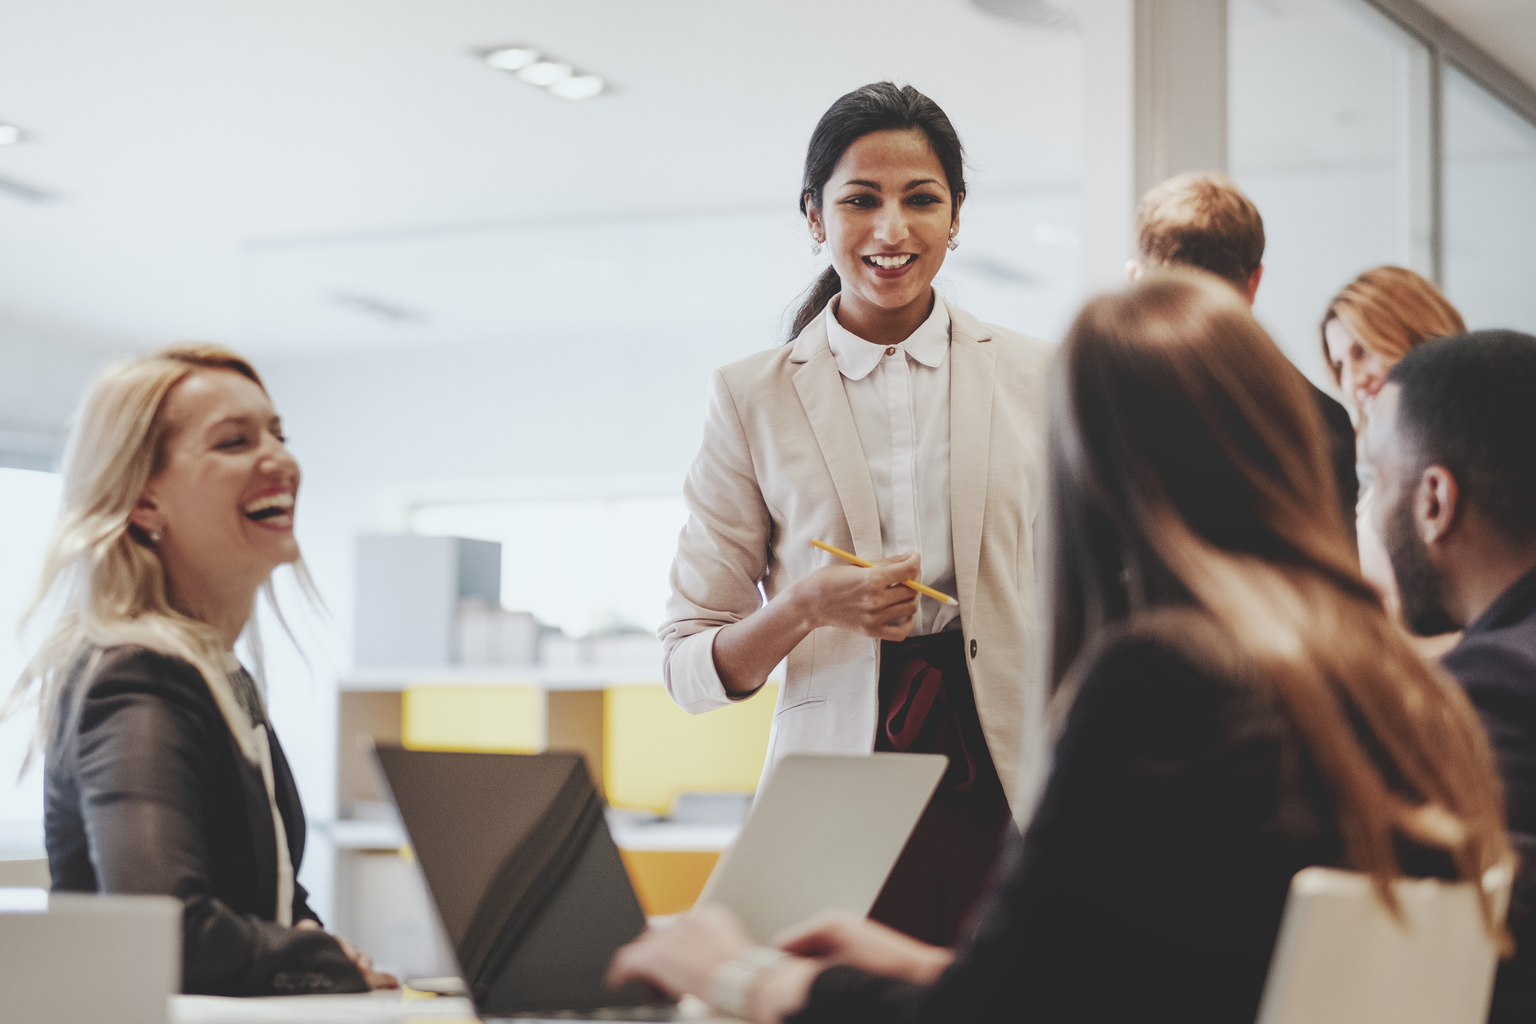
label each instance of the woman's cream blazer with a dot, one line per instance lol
(781, 463)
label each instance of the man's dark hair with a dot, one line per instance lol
(1468, 403)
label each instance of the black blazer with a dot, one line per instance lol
(146, 792)
(1150, 883)
(1341, 453)
(1495, 662)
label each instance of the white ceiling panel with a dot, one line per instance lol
(187, 142)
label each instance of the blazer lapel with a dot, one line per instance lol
(263, 836)
(820, 387)
(970, 432)
(288, 803)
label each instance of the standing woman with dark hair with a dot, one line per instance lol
(899, 427)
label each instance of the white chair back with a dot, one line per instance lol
(70, 957)
(30, 874)
(1343, 958)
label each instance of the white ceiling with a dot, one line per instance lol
(286, 174)
(182, 136)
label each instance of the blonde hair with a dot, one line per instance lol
(105, 569)
(1390, 310)
(1201, 220)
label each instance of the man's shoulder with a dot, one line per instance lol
(1498, 658)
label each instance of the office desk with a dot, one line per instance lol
(364, 1008)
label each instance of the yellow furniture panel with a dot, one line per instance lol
(668, 881)
(653, 749)
(492, 719)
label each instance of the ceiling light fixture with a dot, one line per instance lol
(577, 87)
(512, 58)
(546, 73)
(539, 69)
(9, 134)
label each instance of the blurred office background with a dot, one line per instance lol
(487, 311)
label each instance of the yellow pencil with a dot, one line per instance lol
(856, 560)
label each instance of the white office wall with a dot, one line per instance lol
(608, 383)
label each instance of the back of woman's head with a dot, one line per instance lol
(101, 569)
(1188, 467)
(1390, 310)
(878, 107)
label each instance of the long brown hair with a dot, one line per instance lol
(1189, 468)
(1390, 310)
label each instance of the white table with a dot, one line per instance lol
(363, 1008)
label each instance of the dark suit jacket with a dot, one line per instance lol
(146, 792)
(1150, 884)
(1495, 662)
(1341, 452)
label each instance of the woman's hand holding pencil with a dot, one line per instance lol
(856, 560)
(863, 599)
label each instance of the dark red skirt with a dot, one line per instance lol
(927, 707)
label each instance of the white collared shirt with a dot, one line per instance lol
(899, 395)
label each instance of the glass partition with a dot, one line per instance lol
(1490, 207)
(1319, 95)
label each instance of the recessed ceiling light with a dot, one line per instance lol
(546, 72)
(577, 87)
(537, 68)
(9, 134)
(512, 58)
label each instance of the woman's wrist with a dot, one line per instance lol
(732, 983)
(781, 990)
(802, 606)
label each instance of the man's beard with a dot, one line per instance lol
(1419, 583)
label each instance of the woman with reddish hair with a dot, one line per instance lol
(1370, 325)
(1374, 321)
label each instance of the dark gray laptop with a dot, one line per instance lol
(534, 898)
(526, 879)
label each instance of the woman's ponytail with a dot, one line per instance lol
(826, 286)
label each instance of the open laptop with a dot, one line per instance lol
(533, 895)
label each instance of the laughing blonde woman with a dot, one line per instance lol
(162, 772)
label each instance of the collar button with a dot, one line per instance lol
(891, 351)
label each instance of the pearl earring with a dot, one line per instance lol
(154, 537)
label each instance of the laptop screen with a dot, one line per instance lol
(526, 879)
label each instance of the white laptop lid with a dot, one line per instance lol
(825, 831)
(71, 957)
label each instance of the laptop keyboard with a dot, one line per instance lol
(637, 1014)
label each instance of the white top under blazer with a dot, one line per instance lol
(899, 397)
(782, 463)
